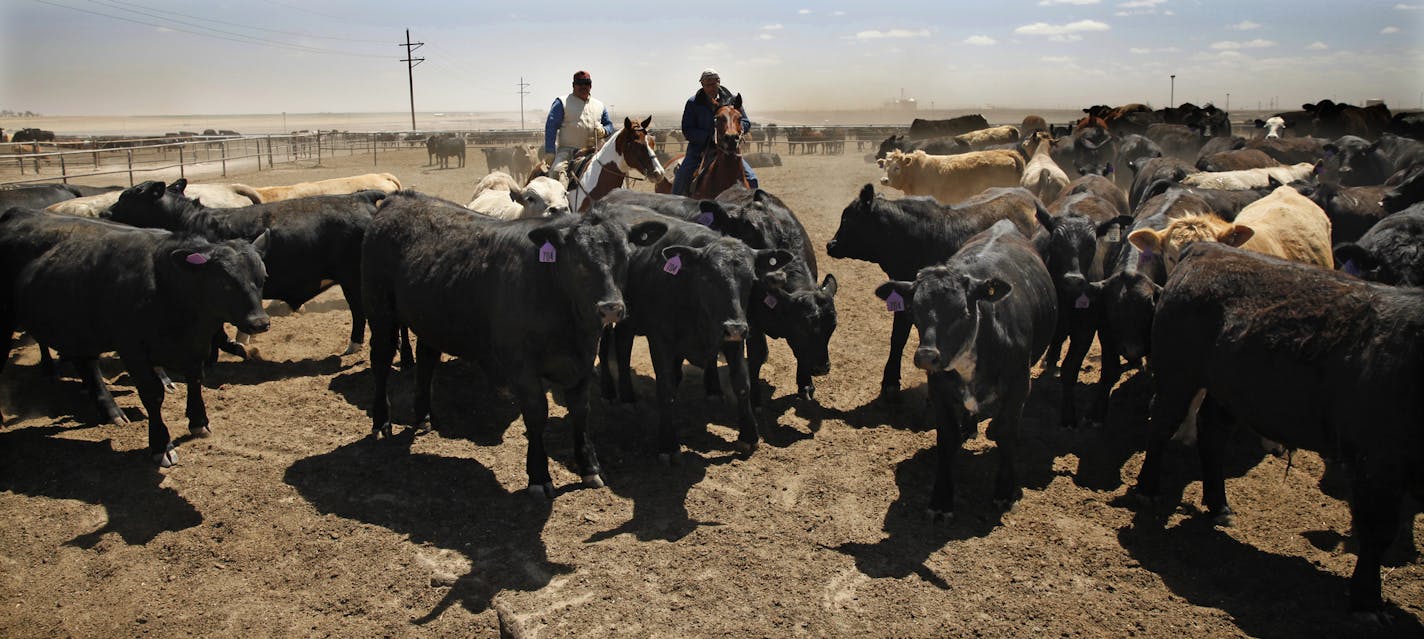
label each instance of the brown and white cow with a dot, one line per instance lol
(1284, 224)
(951, 178)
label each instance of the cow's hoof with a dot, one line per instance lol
(352, 349)
(593, 481)
(670, 459)
(746, 446)
(1377, 618)
(254, 354)
(167, 458)
(424, 426)
(1224, 519)
(118, 417)
(545, 490)
(384, 430)
(807, 394)
(936, 516)
(168, 384)
(200, 430)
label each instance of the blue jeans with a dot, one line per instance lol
(683, 179)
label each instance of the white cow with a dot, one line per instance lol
(1249, 178)
(220, 196)
(542, 197)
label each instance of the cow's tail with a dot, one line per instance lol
(247, 192)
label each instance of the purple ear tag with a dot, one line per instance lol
(1352, 268)
(705, 219)
(894, 303)
(1082, 302)
(769, 300)
(1146, 257)
(547, 253)
(196, 259)
(673, 265)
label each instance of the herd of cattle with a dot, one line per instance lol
(1272, 282)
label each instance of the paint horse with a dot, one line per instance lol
(721, 163)
(630, 148)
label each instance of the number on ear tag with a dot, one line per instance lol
(894, 303)
(673, 265)
(1114, 234)
(769, 300)
(547, 253)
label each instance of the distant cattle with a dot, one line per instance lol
(902, 236)
(982, 138)
(1133, 152)
(943, 145)
(1274, 126)
(445, 147)
(763, 159)
(32, 135)
(984, 317)
(499, 158)
(535, 295)
(951, 178)
(176, 291)
(384, 182)
(1309, 358)
(1391, 252)
(920, 128)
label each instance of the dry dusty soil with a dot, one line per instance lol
(289, 521)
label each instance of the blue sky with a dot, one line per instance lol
(131, 57)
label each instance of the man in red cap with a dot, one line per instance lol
(575, 121)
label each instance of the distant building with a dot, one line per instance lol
(902, 104)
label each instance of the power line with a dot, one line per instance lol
(245, 38)
(165, 12)
(410, 63)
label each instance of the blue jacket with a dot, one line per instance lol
(698, 120)
(556, 120)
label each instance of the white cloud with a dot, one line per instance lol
(1253, 44)
(772, 27)
(765, 36)
(1071, 37)
(876, 34)
(1389, 30)
(1143, 50)
(1229, 54)
(804, 12)
(837, 13)
(709, 47)
(980, 40)
(1049, 3)
(1408, 7)
(1045, 29)
(1244, 25)
(1056, 59)
(1140, 4)
(1318, 46)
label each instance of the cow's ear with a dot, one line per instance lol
(263, 243)
(1272, 183)
(646, 121)
(988, 290)
(903, 289)
(770, 261)
(188, 258)
(1236, 235)
(760, 196)
(1044, 219)
(547, 235)
(1330, 149)
(1319, 166)
(1120, 222)
(646, 233)
(178, 186)
(880, 162)
(1354, 259)
(151, 190)
(684, 254)
(867, 192)
(1146, 240)
(829, 286)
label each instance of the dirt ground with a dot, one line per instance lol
(289, 521)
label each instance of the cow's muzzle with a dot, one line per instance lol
(611, 312)
(255, 323)
(734, 331)
(927, 358)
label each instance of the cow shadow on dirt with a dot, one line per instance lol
(416, 494)
(35, 461)
(910, 535)
(259, 371)
(1208, 568)
(464, 403)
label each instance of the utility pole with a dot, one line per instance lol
(523, 91)
(410, 62)
(1172, 97)
(1228, 102)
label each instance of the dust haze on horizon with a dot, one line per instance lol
(142, 57)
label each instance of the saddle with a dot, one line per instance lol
(578, 164)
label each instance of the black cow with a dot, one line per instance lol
(1177, 140)
(1408, 124)
(984, 318)
(36, 196)
(1155, 169)
(444, 147)
(902, 236)
(762, 160)
(1306, 357)
(689, 292)
(1352, 209)
(1336, 119)
(1354, 161)
(942, 145)
(1405, 189)
(795, 306)
(1221, 144)
(1089, 151)
(1290, 151)
(1402, 152)
(1237, 160)
(921, 129)
(1099, 186)
(1076, 237)
(32, 135)
(1391, 252)
(534, 294)
(316, 241)
(175, 291)
(498, 158)
(1133, 152)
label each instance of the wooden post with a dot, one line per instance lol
(96, 157)
(181, 173)
(130, 154)
(318, 148)
(269, 153)
(224, 158)
(63, 171)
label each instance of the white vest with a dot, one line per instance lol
(583, 122)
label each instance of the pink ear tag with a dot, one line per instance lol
(1351, 268)
(894, 303)
(705, 219)
(1146, 257)
(196, 259)
(770, 301)
(1082, 302)
(547, 252)
(673, 265)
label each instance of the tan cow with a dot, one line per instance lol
(218, 196)
(335, 186)
(951, 178)
(990, 136)
(1042, 176)
(1284, 224)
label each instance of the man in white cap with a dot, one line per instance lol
(697, 124)
(575, 121)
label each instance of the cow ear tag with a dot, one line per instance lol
(705, 219)
(894, 303)
(196, 259)
(1082, 302)
(1352, 268)
(1146, 257)
(1114, 234)
(769, 300)
(547, 253)
(673, 265)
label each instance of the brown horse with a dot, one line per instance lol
(722, 162)
(630, 148)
